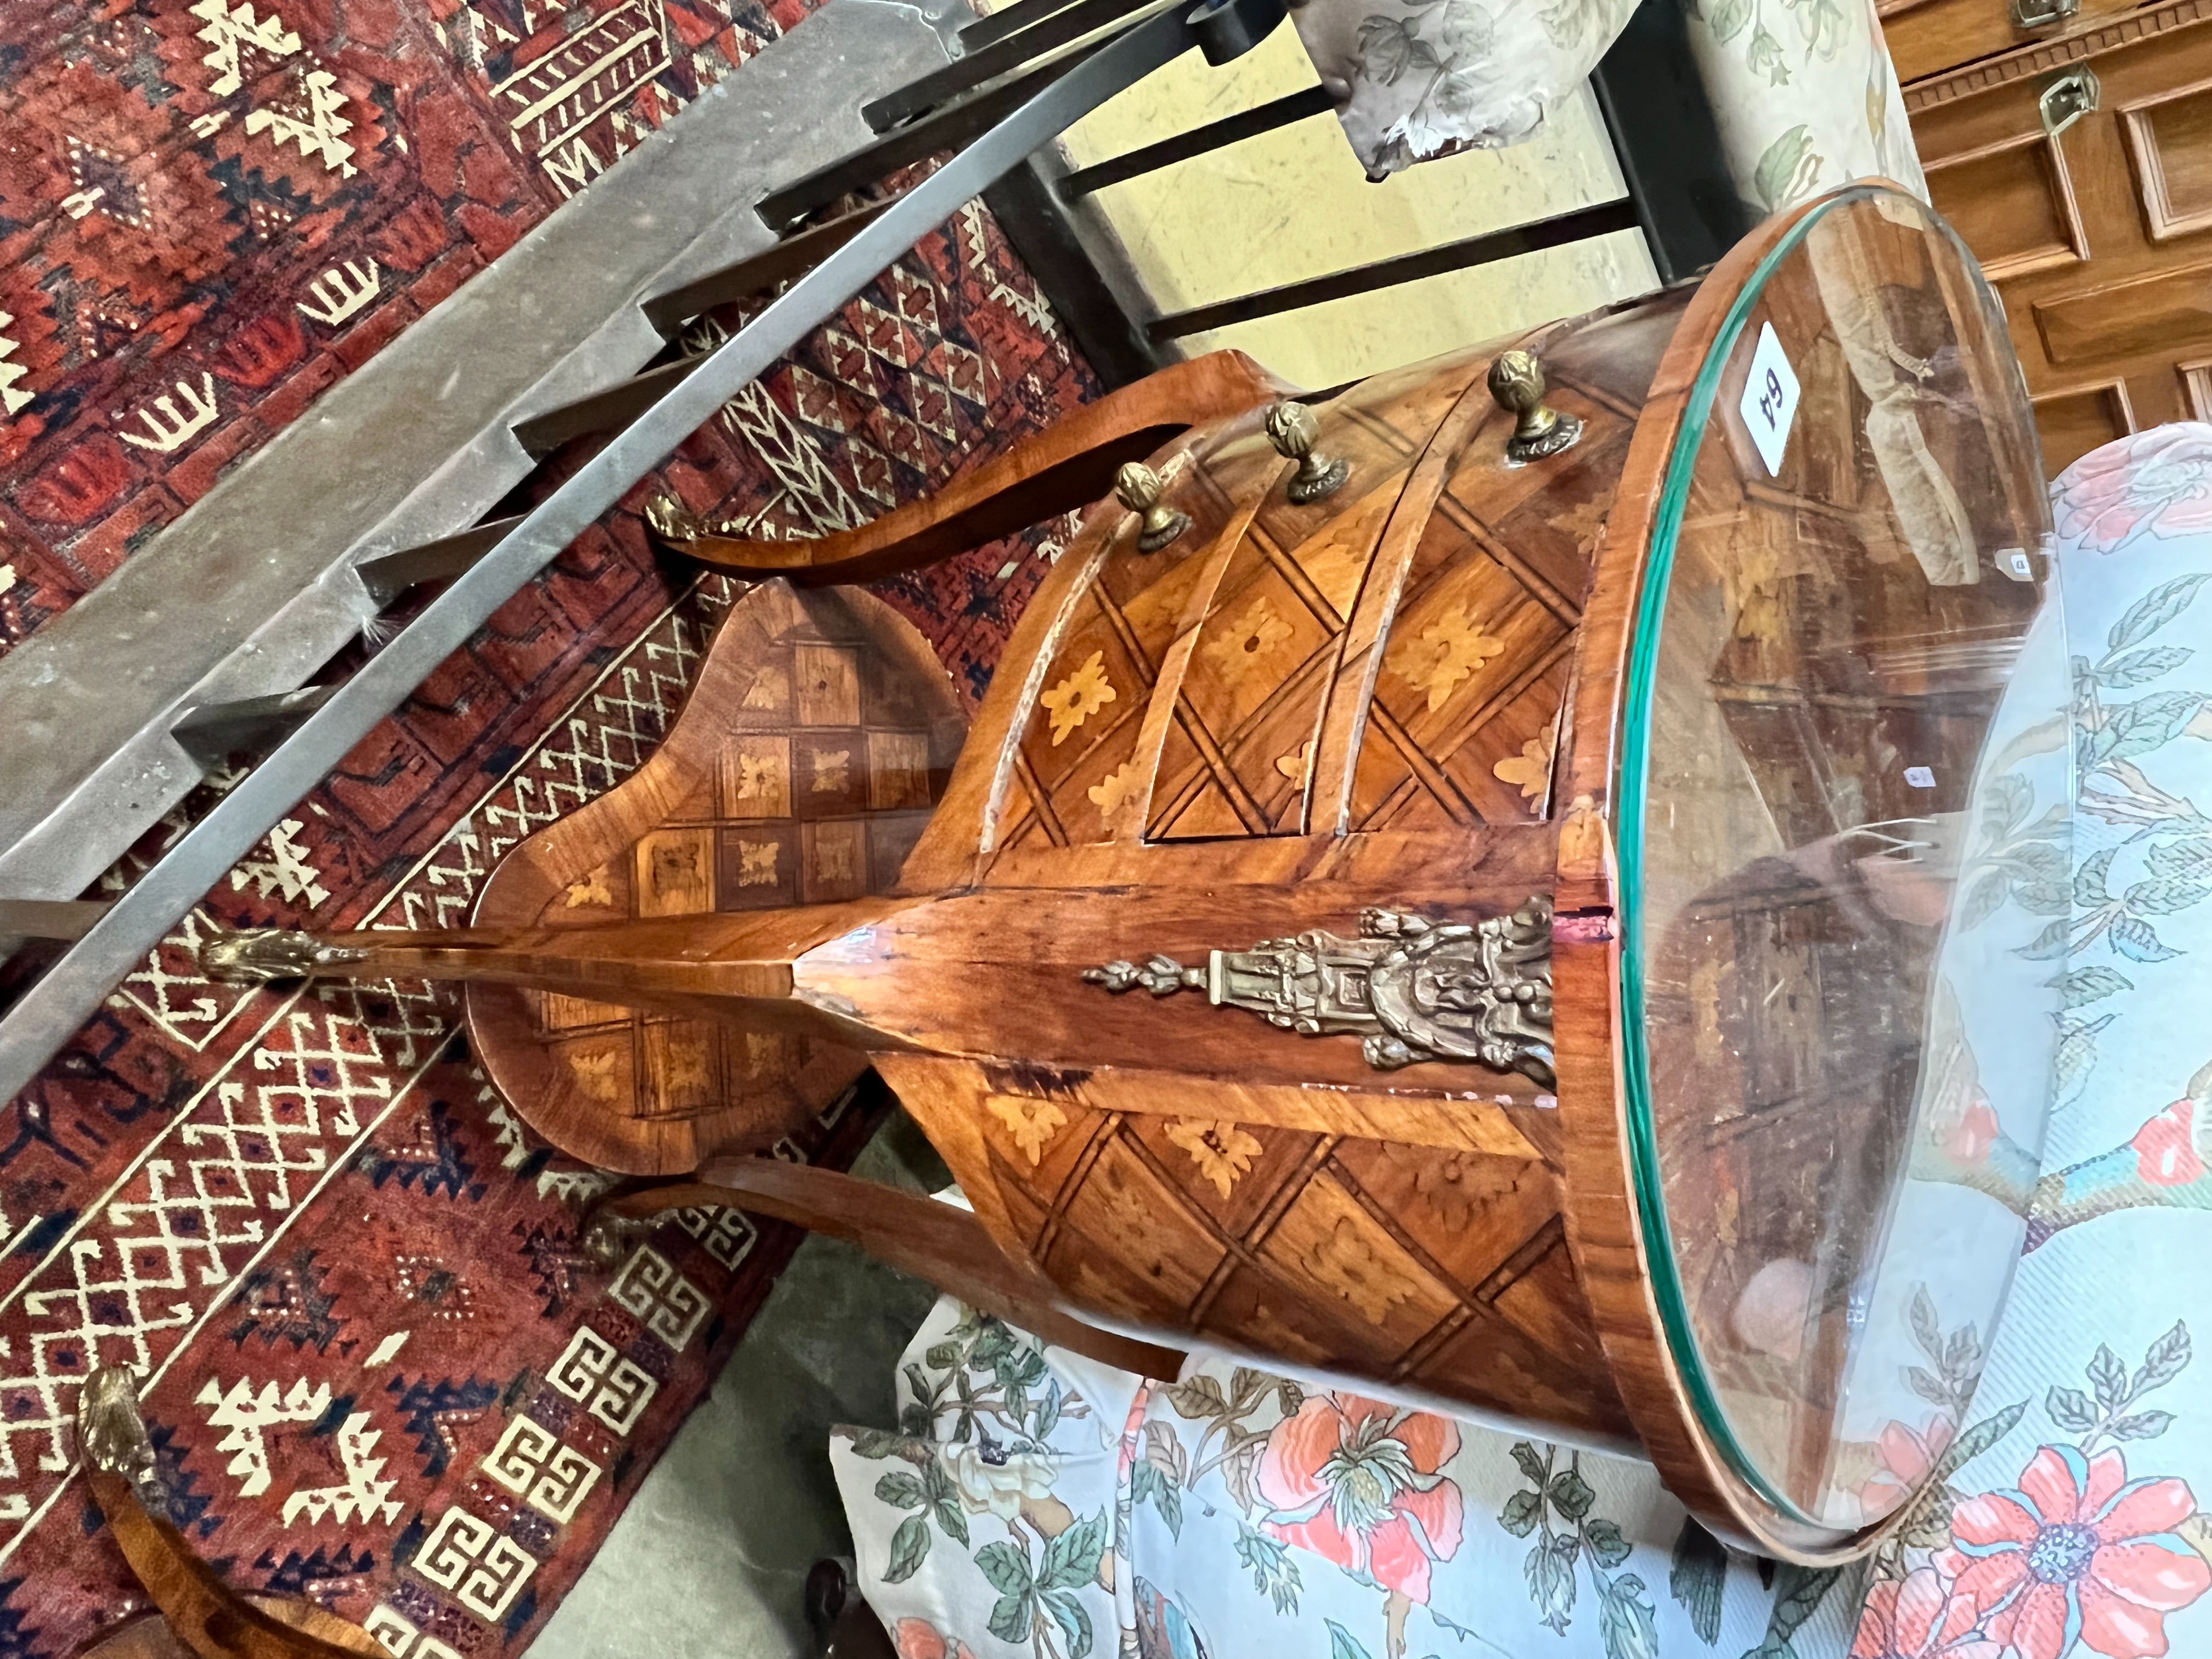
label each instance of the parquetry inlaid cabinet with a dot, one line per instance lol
(1470, 889)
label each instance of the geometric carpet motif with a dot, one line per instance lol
(377, 1369)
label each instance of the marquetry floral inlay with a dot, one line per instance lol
(1077, 698)
(1221, 1150)
(1115, 787)
(1348, 1264)
(770, 689)
(1294, 767)
(590, 890)
(1530, 771)
(1448, 650)
(1032, 1123)
(1248, 643)
(594, 1072)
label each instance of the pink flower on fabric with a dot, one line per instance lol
(1921, 1617)
(1907, 1454)
(1357, 1481)
(1974, 1133)
(2079, 1553)
(2165, 1146)
(2158, 482)
(917, 1638)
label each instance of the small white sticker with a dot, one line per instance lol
(1920, 777)
(2013, 561)
(1769, 399)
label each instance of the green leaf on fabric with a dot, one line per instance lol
(1977, 1439)
(1198, 1396)
(943, 1357)
(2109, 1377)
(1070, 1560)
(2139, 667)
(914, 1420)
(2069, 1408)
(1697, 1578)
(2137, 728)
(909, 1549)
(1012, 1616)
(2163, 898)
(1985, 897)
(1766, 58)
(1788, 167)
(1626, 1622)
(876, 1444)
(1728, 18)
(1525, 1459)
(2144, 1426)
(2048, 945)
(1072, 1619)
(2082, 985)
(950, 1516)
(1605, 1543)
(2155, 610)
(1341, 1644)
(1519, 1514)
(1007, 1568)
(1551, 1585)
(2164, 1360)
(901, 1491)
(2134, 938)
(1571, 1494)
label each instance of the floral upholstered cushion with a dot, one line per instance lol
(1034, 1505)
(1802, 90)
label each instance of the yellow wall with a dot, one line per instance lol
(1295, 203)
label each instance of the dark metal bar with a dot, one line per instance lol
(212, 732)
(58, 918)
(1040, 229)
(948, 128)
(1668, 143)
(987, 62)
(1556, 232)
(1214, 135)
(389, 574)
(45, 1015)
(787, 262)
(603, 411)
(1007, 20)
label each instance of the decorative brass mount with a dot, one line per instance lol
(1292, 429)
(255, 955)
(1517, 382)
(1412, 988)
(111, 1434)
(1138, 488)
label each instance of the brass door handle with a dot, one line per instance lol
(2067, 100)
(2042, 14)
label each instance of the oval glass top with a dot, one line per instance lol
(1842, 822)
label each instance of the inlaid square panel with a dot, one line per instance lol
(898, 771)
(1470, 1211)
(600, 1068)
(682, 1068)
(766, 703)
(1489, 1359)
(826, 679)
(828, 773)
(1041, 1139)
(835, 863)
(1329, 1245)
(891, 838)
(1228, 1171)
(2072, 423)
(1126, 1225)
(759, 866)
(672, 872)
(756, 777)
(1546, 1304)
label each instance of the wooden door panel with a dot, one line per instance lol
(2169, 140)
(2099, 241)
(2014, 203)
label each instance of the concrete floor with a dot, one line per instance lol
(711, 1555)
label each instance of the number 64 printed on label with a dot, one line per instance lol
(1769, 399)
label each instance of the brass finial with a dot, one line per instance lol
(111, 1434)
(1516, 381)
(1138, 488)
(255, 955)
(1292, 429)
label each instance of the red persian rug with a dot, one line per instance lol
(378, 1370)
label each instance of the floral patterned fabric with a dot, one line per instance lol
(1032, 1504)
(1803, 90)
